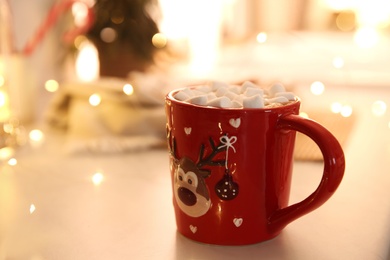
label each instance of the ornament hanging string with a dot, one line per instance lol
(55, 12)
(228, 143)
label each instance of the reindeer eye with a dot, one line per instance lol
(180, 174)
(192, 179)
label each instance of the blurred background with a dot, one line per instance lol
(54, 53)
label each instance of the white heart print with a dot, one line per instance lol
(187, 130)
(235, 122)
(238, 222)
(193, 229)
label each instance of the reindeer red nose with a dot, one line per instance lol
(187, 196)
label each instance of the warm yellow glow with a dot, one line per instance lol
(338, 62)
(336, 107)
(12, 162)
(36, 135)
(373, 13)
(3, 98)
(366, 37)
(87, 62)
(128, 89)
(2, 80)
(159, 40)
(378, 108)
(317, 88)
(340, 5)
(343, 110)
(80, 12)
(174, 23)
(6, 153)
(261, 37)
(346, 20)
(97, 178)
(32, 208)
(197, 25)
(78, 41)
(346, 111)
(95, 100)
(4, 106)
(51, 85)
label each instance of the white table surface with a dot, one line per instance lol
(130, 214)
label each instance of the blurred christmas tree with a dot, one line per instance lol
(122, 33)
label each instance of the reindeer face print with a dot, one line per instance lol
(190, 189)
(189, 186)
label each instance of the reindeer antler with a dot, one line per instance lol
(208, 160)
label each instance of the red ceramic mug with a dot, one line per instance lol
(231, 170)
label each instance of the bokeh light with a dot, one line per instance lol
(12, 162)
(159, 40)
(94, 100)
(51, 85)
(366, 37)
(378, 108)
(261, 37)
(317, 88)
(6, 153)
(128, 89)
(108, 34)
(32, 208)
(346, 111)
(87, 62)
(97, 178)
(36, 137)
(336, 107)
(117, 18)
(338, 62)
(346, 21)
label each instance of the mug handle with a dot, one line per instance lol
(334, 166)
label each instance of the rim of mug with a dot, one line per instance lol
(170, 97)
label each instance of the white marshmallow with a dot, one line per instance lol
(279, 99)
(220, 102)
(253, 102)
(181, 95)
(253, 91)
(247, 84)
(231, 95)
(276, 88)
(235, 89)
(239, 98)
(236, 104)
(198, 100)
(188, 91)
(221, 91)
(289, 95)
(220, 94)
(211, 96)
